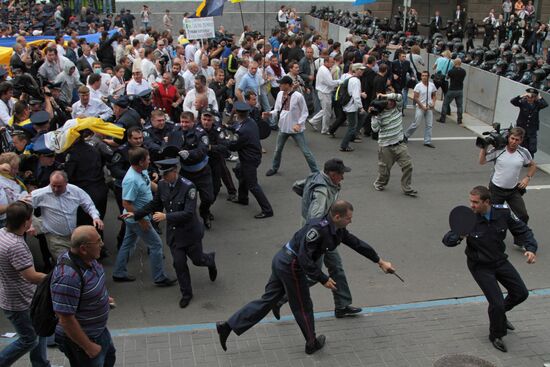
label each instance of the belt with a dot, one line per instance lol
(289, 251)
(395, 144)
(195, 167)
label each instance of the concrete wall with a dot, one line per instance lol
(486, 96)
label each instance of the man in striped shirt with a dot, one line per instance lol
(391, 147)
(81, 302)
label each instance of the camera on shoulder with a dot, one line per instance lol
(497, 138)
(377, 106)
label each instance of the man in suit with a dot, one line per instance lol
(460, 15)
(85, 62)
(438, 21)
(401, 67)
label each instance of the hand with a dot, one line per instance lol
(531, 257)
(296, 128)
(27, 199)
(98, 223)
(184, 154)
(266, 115)
(363, 95)
(126, 215)
(311, 77)
(159, 216)
(93, 350)
(395, 76)
(155, 177)
(31, 231)
(386, 266)
(144, 225)
(330, 284)
(523, 183)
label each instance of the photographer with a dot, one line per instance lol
(505, 185)
(387, 121)
(529, 103)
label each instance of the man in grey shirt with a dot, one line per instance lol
(59, 202)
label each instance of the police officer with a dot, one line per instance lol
(40, 124)
(488, 262)
(143, 104)
(529, 103)
(217, 152)
(190, 143)
(291, 267)
(248, 145)
(184, 233)
(119, 165)
(125, 116)
(155, 134)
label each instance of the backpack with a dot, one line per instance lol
(342, 96)
(43, 316)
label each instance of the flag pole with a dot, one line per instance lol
(241, 10)
(265, 34)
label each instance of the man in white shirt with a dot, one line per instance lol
(200, 88)
(354, 106)
(189, 76)
(324, 85)
(148, 67)
(6, 103)
(424, 96)
(59, 202)
(292, 111)
(88, 107)
(281, 17)
(190, 50)
(137, 84)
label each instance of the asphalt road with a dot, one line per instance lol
(407, 231)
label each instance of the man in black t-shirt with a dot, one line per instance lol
(456, 77)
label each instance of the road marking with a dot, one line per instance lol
(538, 187)
(447, 138)
(318, 315)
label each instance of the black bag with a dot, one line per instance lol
(342, 96)
(411, 83)
(309, 102)
(43, 317)
(263, 128)
(439, 78)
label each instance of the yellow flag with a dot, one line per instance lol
(236, 1)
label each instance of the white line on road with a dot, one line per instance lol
(538, 187)
(447, 138)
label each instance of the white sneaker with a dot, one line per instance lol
(232, 158)
(314, 126)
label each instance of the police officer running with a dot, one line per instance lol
(184, 232)
(292, 265)
(529, 103)
(248, 145)
(488, 262)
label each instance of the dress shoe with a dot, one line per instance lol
(223, 330)
(271, 172)
(239, 201)
(510, 326)
(263, 215)
(319, 344)
(346, 311)
(276, 311)
(498, 343)
(125, 279)
(166, 282)
(213, 270)
(184, 302)
(412, 193)
(429, 145)
(231, 197)
(441, 120)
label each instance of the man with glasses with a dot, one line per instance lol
(136, 192)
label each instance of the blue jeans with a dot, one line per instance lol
(353, 119)
(107, 7)
(77, 356)
(418, 116)
(299, 138)
(405, 94)
(153, 241)
(27, 342)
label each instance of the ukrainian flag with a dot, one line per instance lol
(210, 8)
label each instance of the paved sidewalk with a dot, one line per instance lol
(415, 337)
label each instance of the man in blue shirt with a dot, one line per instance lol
(248, 82)
(136, 193)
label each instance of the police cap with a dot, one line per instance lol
(242, 106)
(532, 91)
(336, 165)
(55, 85)
(170, 151)
(121, 101)
(146, 94)
(40, 117)
(34, 101)
(167, 165)
(209, 111)
(2, 72)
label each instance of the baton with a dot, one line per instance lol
(397, 275)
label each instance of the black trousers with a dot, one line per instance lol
(220, 173)
(117, 190)
(286, 277)
(198, 258)
(98, 193)
(248, 181)
(203, 181)
(512, 197)
(488, 277)
(530, 143)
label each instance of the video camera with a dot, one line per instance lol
(496, 138)
(377, 106)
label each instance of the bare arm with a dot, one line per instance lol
(32, 276)
(482, 156)
(76, 334)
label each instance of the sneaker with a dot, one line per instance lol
(357, 140)
(378, 187)
(411, 193)
(314, 126)
(232, 158)
(347, 149)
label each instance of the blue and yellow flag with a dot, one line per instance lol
(210, 8)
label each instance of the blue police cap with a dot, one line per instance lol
(170, 151)
(121, 101)
(167, 165)
(40, 117)
(242, 106)
(145, 94)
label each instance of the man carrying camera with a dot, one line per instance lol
(529, 103)
(387, 121)
(505, 185)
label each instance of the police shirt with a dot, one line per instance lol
(508, 166)
(320, 235)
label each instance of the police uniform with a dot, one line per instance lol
(528, 118)
(119, 165)
(184, 232)
(143, 105)
(248, 145)
(291, 268)
(128, 118)
(191, 147)
(489, 265)
(154, 139)
(40, 118)
(217, 152)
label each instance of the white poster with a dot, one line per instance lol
(199, 28)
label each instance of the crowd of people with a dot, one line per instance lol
(189, 109)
